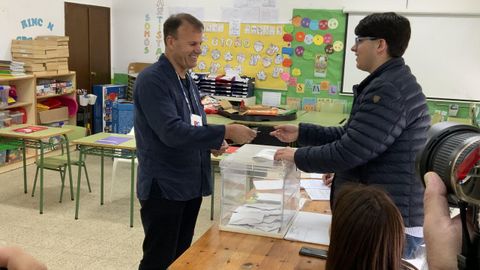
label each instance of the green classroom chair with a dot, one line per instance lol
(59, 163)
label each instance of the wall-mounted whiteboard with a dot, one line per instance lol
(443, 53)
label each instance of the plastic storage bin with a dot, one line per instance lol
(17, 117)
(259, 196)
(4, 95)
(3, 115)
(3, 156)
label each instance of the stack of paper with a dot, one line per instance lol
(310, 227)
(316, 189)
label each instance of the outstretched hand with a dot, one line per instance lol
(285, 133)
(239, 133)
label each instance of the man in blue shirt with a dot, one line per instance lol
(174, 144)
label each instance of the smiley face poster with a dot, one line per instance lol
(253, 50)
(316, 55)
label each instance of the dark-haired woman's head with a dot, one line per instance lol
(367, 230)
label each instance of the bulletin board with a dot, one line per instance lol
(316, 56)
(250, 49)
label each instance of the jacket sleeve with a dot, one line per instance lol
(311, 135)
(379, 120)
(162, 112)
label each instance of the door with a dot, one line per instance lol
(89, 30)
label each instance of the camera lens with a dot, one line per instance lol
(453, 152)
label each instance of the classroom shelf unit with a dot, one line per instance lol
(26, 89)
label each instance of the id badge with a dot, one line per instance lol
(196, 120)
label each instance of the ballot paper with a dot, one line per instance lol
(269, 197)
(257, 216)
(268, 184)
(311, 228)
(246, 218)
(265, 155)
(313, 184)
(317, 194)
(305, 175)
(316, 189)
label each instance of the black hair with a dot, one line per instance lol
(394, 28)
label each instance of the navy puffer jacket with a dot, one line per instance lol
(378, 144)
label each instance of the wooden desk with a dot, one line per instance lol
(226, 250)
(35, 140)
(90, 146)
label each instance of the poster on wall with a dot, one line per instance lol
(317, 41)
(248, 49)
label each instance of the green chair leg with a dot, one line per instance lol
(86, 176)
(35, 181)
(63, 172)
(71, 184)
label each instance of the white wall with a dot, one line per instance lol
(129, 22)
(128, 26)
(15, 15)
(128, 18)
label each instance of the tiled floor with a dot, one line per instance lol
(100, 239)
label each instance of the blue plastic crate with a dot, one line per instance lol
(107, 94)
(122, 120)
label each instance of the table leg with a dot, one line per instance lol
(41, 177)
(80, 160)
(132, 181)
(69, 164)
(24, 153)
(101, 177)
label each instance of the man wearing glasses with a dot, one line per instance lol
(387, 126)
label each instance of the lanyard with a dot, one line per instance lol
(190, 106)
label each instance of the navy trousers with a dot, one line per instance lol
(169, 227)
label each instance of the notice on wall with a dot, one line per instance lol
(254, 52)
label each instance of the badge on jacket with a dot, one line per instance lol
(196, 120)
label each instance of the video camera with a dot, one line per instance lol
(453, 152)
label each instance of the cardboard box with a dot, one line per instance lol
(54, 115)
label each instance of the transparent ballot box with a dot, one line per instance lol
(259, 195)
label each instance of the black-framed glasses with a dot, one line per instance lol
(360, 39)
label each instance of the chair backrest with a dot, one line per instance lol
(136, 67)
(76, 133)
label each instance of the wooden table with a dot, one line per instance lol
(90, 145)
(227, 250)
(35, 140)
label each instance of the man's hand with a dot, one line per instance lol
(328, 179)
(223, 148)
(239, 133)
(14, 258)
(285, 133)
(287, 154)
(443, 235)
